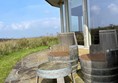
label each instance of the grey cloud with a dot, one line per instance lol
(113, 8)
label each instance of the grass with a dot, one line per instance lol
(7, 62)
(11, 46)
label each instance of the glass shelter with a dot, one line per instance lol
(85, 15)
(74, 17)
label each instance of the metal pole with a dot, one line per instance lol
(67, 15)
(80, 23)
(62, 18)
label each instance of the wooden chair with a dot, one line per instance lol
(66, 51)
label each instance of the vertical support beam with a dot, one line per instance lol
(80, 23)
(60, 80)
(87, 39)
(67, 15)
(62, 18)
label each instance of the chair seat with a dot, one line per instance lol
(59, 53)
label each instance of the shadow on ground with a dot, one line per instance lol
(79, 73)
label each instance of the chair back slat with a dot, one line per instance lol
(66, 51)
(67, 39)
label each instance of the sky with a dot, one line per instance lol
(28, 18)
(34, 18)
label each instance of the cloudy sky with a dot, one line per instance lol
(28, 18)
(34, 18)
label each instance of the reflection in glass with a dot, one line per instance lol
(76, 15)
(103, 13)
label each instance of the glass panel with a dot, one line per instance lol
(103, 13)
(76, 15)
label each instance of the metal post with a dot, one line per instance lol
(87, 39)
(67, 15)
(62, 18)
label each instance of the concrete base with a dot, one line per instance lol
(83, 50)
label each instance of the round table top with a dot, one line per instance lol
(53, 70)
(53, 66)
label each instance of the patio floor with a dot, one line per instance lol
(25, 70)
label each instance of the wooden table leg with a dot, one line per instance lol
(60, 80)
(72, 76)
(37, 79)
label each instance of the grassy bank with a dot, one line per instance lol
(10, 46)
(7, 62)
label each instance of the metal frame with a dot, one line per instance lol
(62, 18)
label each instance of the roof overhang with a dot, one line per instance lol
(55, 3)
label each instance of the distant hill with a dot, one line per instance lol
(3, 39)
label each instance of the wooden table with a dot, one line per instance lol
(52, 70)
